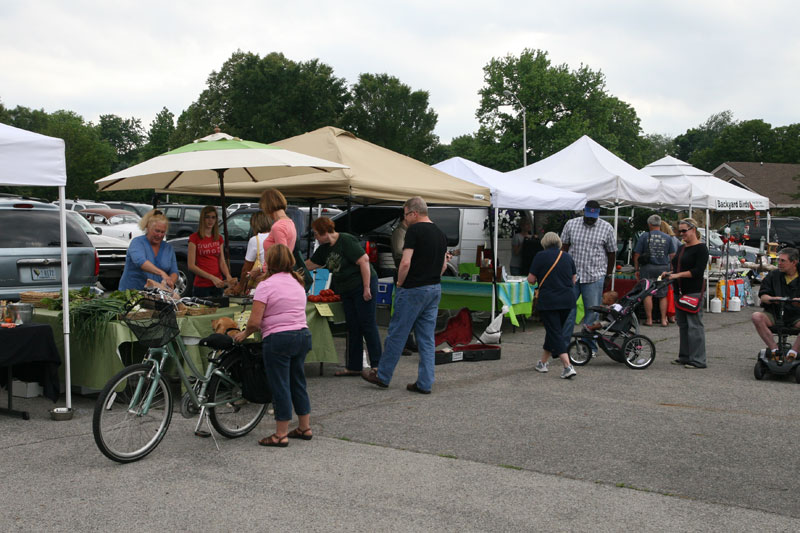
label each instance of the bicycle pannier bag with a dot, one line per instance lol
(255, 387)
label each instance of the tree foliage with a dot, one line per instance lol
(158, 136)
(125, 135)
(264, 99)
(388, 113)
(560, 106)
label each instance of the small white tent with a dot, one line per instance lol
(587, 167)
(30, 159)
(708, 191)
(507, 192)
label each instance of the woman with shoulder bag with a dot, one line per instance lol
(688, 267)
(555, 271)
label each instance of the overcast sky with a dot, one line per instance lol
(676, 62)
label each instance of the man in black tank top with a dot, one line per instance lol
(416, 300)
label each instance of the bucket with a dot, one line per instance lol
(716, 305)
(734, 304)
(21, 313)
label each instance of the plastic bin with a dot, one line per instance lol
(385, 289)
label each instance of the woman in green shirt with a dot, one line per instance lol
(356, 281)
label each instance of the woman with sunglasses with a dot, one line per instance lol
(206, 257)
(688, 267)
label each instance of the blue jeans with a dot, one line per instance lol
(284, 356)
(362, 324)
(592, 295)
(413, 309)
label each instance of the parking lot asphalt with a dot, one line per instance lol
(496, 447)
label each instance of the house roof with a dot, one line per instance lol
(773, 180)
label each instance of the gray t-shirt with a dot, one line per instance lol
(659, 244)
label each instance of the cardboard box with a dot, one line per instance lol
(24, 389)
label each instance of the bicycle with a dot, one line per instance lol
(134, 409)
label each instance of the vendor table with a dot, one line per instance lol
(477, 296)
(94, 364)
(32, 350)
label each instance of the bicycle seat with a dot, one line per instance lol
(217, 341)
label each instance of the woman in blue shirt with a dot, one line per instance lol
(150, 256)
(556, 274)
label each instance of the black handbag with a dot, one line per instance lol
(255, 387)
(644, 258)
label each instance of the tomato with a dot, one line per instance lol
(313, 298)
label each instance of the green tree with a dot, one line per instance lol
(787, 144)
(264, 99)
(158, 137)
(703, 136)
(750, 140)
(387, 112)
(560, 106)
(655, 146)
(125, 135)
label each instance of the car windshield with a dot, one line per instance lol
(38, 229)
(125, 219)
(83, 223)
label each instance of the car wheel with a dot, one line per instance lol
(185, 280)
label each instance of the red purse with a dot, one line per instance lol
(688, 303)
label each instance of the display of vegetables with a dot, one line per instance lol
(325, 296)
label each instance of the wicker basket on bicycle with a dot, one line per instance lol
(154, 323)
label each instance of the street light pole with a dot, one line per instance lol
(524, 128)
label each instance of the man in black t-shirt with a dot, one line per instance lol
(784, 282)
(416, 300)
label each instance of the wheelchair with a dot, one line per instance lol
(779, 365)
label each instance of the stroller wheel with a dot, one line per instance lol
(579, 352)
(760, 370)
(638, 352)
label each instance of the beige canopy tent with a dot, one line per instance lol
(376, 174)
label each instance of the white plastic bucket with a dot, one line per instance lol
(716, 305)
(734, 304)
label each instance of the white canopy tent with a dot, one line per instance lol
(507, 193)
(586, 167)
(30, 159)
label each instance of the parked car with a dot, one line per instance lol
(183, 218)
(235, 207)
(114, 222)
(110, 250)
(716, 248)
(783, 230)
(139, 209)
(30, 250)
(79, 205)
(238, 236)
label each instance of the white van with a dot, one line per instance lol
(374, 224)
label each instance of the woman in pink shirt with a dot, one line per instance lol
(273, 203)
(279, 311)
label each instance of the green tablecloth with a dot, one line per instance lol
(477, 296)
(94, 364)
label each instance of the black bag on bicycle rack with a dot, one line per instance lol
(255, 387)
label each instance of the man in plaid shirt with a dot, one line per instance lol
(592, 244)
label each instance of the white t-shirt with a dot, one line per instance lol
(255, 248)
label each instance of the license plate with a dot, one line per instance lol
(43, 274)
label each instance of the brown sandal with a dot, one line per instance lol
(275, 440)
(298, 433)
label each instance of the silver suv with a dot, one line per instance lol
(111, 251)
(30, 250)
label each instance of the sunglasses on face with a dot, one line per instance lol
(683, 231)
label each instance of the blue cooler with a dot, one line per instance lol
(385, 288)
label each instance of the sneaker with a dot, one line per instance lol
(568, 372)
(692, 365)
(541, 367)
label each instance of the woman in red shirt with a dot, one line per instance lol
(206, 257)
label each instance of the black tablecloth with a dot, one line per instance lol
(31, 350)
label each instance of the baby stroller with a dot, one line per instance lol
(779, 365)
(618, 332)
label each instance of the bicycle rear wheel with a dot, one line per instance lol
(122, 429)
(236, 416)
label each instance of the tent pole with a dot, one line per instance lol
(708, 281)
(64, 295)
(221, 178)
(494, 263)
(616, 232)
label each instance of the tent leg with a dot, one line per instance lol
(65, 295)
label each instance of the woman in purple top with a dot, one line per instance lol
(279, 311)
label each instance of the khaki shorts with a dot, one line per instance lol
(771, 317)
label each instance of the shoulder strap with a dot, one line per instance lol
(560, 252)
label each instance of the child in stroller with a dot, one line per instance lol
(617, 334)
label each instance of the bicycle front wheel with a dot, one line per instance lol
(235, 416)
(125, 427)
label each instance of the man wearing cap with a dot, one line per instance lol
(593, 246)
